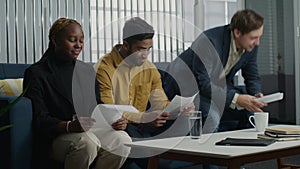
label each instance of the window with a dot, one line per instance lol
(167, 18)
(219, 12)
(24, 31)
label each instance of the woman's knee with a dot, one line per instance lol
(75, 144)
(88, 143)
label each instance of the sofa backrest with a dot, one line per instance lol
(12, 71)
(162, 66)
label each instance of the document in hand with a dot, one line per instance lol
(106, 114)
(267, 99)
(178, 103)
(271, 98)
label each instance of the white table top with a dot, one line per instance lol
(206, 144)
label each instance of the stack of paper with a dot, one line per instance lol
(281, 133)
(284, 130)
(263, 136)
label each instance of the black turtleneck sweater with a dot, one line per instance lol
(64, 70)
(50, 86)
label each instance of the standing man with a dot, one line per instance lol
(214, 58)
(126, 77)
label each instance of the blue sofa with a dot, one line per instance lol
(16, 142)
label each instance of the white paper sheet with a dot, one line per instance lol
(271, 98)
(178, 103)
(106, 114)
(267, 98)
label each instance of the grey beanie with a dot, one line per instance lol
(135, 26)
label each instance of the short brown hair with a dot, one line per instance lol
(246, 21)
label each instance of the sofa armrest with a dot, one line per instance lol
(20, 116)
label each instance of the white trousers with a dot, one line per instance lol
(79, 150)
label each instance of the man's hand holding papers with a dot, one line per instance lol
(179, 105)
(259, 100)
(155, 118)
(249, 102)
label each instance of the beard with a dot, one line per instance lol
(132, 58)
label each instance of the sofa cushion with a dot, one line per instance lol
(11, 87)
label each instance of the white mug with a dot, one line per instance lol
(261, 120)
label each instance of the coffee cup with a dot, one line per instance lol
(261, 120)
(195, 124)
